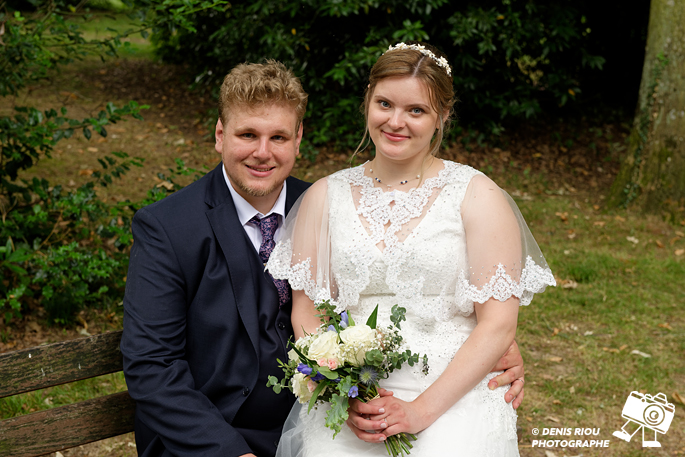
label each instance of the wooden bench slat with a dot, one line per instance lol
(67, 426)
(59, 363)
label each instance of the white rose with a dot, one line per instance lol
(358, 340)
(300, 388)
(324, 346)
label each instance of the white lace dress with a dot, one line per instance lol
(359, 246)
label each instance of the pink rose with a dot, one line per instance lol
(311, 385)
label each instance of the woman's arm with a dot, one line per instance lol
(488, 341)
(303, 315)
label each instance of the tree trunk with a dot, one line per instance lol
(652, 176)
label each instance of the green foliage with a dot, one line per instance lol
(70, 278)
(64, 249)
(337, 413)
(511, 60)
(397, 315)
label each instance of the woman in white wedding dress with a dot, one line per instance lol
(436, 237)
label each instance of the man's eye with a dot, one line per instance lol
(248, 135)
(278, 137)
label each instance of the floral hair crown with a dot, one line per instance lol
(440, 61)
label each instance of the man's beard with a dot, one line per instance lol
(257, 192)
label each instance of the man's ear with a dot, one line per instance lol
(219, 136)
(299, 137)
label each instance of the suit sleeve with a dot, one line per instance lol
(153, 347)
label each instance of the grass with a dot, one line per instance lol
(619, 292)
(66, 394)
(99, 25)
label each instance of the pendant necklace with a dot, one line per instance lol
(390, 185)
(401, 182)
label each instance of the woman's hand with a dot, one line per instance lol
(402, 416)
(374, 421)
(359, 419)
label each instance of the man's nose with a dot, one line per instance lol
(262, 151)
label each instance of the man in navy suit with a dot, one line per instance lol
(204, 323)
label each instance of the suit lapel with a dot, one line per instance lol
(292, 193)
(236, 248)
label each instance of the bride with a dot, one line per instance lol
(436, 237)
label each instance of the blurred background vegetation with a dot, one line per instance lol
(516, 62)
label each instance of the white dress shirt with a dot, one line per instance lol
(246, 212)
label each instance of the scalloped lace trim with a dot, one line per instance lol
(501, 286)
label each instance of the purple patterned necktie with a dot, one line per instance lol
(268, 226)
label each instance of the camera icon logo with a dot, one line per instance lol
(646, 411)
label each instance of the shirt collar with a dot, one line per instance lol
(245, 210)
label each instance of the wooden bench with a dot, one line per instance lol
(67, 426)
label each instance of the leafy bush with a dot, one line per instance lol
(512, 59)
(63, 249)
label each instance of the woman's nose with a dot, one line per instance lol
(396, 120)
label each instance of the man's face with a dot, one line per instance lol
(258, 146)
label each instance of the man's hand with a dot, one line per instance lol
(512, 362)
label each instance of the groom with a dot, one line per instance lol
(204, 324)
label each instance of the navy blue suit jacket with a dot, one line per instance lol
(197, 307)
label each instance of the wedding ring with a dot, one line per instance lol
(521, 379)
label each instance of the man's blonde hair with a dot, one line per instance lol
(254, 84)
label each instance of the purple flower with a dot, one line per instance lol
(345, 320)
(331, 328)
(304, 369)
(318, 377)
(353, 392)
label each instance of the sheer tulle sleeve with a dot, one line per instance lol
(302, 256)
(504, 260)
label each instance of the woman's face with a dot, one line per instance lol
(401, 121)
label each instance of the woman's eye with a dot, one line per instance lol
(416, 110)
(384, 104)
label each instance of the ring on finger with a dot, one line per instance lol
(521, 379)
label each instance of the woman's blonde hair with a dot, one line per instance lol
(253, 84)
(410, 62)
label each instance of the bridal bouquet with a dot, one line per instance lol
(344, 360)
